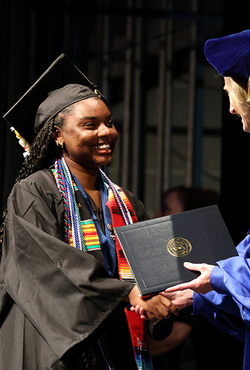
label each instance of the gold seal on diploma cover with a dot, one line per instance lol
(179, 247)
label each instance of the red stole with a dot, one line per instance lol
(137, 327)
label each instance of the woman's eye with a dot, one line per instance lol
(89, 124)
(110, 123)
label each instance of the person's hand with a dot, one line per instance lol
(201, 284)
(181, 298)
(155, 307)
(140, 311)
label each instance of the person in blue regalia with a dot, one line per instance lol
(222, 292)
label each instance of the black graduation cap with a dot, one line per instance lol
(230, 56)
(61, 85)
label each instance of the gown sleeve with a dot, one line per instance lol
(222, 311)
(228, 305)
(65, 293)
(232, 276)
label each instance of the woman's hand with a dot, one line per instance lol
(201, 284)
(155, 307)
(180, 299)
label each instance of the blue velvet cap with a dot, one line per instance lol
(230, 56)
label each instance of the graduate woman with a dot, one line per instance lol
(225, 288)
(64, 281)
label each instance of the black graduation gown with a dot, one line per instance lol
(54, 299)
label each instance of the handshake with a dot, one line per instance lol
(173, 299)
(156, 307)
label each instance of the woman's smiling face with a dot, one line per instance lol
(88, 134)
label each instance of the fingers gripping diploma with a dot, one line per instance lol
(156, 307)
(201, 284)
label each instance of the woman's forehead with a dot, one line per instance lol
(94, 105)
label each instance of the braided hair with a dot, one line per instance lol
(43, 152)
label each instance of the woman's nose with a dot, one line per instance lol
(231, 109)
(103, 130)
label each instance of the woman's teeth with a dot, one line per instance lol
(102, 147)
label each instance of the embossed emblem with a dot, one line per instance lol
(179, 247)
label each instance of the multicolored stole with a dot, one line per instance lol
(83, 235)
(137, 327)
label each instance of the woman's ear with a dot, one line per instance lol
(57, 136)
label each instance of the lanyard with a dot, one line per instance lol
(107, 244)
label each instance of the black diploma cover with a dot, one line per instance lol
(156, 249)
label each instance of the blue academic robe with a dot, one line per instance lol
(228, 305)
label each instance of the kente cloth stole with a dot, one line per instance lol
(137, 326)
(83, 235)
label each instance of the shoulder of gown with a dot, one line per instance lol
(50, 291)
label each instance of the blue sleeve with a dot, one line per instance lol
(228, 305)
(232, 277)
(222, 311)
